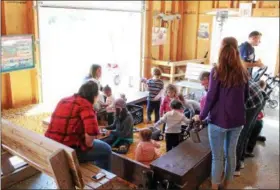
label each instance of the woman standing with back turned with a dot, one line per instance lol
(228, 87)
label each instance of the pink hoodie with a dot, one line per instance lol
(146, 152)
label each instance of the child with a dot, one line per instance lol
(173, 120)
(191, 107)
(95, 73)
(109, 104)
(146, 150)
(154, 86)
(122, 126)
(170, 94)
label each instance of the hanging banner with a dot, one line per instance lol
(203, 31)
(16, 53)
(159, 36)
(245, 9)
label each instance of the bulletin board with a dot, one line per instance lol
(17, 53)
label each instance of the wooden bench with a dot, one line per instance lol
(50, 157)
(187, 165)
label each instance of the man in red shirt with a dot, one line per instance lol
(74, 124)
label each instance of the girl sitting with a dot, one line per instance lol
(122, 128)
(109, 104)
(146, 150)
(170, 94)
(173, 120)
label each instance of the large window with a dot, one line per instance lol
(240, 27)
(72, 39)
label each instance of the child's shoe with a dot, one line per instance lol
(237, 173)
(242, 165)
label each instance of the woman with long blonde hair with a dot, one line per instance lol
(228, 87)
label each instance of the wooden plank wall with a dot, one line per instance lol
(17, 17)
(20, 87)
(183, 43)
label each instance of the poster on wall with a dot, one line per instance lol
(16, 53)
(159, 36)
(203, 31)
(245, 9)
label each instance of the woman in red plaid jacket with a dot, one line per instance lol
(74, 124)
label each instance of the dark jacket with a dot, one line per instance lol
(124, 128)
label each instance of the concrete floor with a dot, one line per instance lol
(261, 172)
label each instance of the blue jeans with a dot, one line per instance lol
(153, 106)
(223, 146)
(100, 155)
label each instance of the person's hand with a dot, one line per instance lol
(108, 132)
(259, 63)
(196, 118)
(143, 79)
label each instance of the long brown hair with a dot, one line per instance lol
(230, 70)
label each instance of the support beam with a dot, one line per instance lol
(59, 165)
(17, 176)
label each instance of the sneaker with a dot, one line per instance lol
(242, 165)
(249, 155)
(261, 138)
(237, 173)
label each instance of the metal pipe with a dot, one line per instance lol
(90, 8)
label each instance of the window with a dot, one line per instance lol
(73, 39)
(240, 27)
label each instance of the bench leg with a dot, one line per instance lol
(6, 165)
(18, 175)
(61, 170)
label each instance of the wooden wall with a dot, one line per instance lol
(19, 87)
(18, 17)
(183, 43)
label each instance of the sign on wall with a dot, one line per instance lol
(203, 31)
(159, 36)
(16, 53)
(245, 9)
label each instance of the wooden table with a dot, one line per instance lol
(132, 98)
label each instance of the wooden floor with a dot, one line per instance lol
(260, 172)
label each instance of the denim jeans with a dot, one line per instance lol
(223, 146)
(153, 106)
(100, 155)
(251, 116)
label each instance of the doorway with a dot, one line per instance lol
(240, 27)
(75, 35)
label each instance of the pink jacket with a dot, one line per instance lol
(165, 105)
(146, 152)
(202, 103)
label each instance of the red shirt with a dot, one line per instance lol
(260, 116)
(72, 118)
(165, 104)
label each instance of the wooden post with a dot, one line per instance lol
(172, 73)
(61, 170)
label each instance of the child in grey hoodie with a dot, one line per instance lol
(122, 126)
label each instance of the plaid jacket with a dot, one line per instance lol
(71, 119)
(255, 97)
